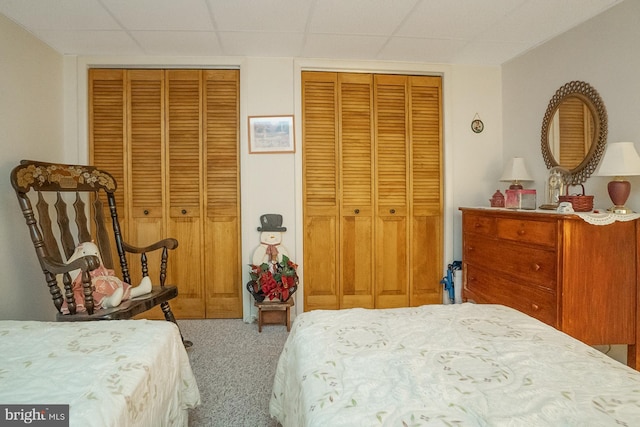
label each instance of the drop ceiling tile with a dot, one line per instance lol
(260, 44)
(59, 14)
(533, 24)
(364, 17)
(91, 42)
(347, 47)
(422, 50)
(263, 15)
(180, 43)
(460, 19)
(489, 53)
(167, 15)
(281, 27)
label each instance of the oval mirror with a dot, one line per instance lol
(574, 131)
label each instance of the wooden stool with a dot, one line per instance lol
(274, 313)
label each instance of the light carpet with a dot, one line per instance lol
(234, 366)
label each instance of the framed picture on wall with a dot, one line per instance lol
(271, 134)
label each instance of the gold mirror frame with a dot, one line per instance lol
(592, 100)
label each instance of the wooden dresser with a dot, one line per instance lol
(577, 277)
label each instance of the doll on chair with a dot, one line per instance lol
(109, 291)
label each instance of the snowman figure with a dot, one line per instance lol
(271, 249)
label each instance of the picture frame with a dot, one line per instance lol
(271, 134)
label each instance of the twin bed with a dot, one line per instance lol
(465, 364)
(449, 365)
(111, 373)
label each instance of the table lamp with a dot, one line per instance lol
(515, 171)
(620, 159)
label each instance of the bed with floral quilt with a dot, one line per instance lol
(111, 373)
(446, 365)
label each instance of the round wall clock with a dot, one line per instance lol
(477, 126)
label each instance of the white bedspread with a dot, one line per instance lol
(446, 365)
(111, 373)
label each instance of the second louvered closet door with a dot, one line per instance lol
(372, 190)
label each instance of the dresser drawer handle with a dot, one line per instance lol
(535, 267)
(471, 248)
(478, 225)
(521, 232)
(535, 307)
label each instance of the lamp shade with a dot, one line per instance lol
(516, 170)
(620, 159)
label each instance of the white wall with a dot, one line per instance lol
(43, 115)
(475, 158)
(272, 183)
(31, 127)
(602, 52)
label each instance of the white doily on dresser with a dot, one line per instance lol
(606, 218)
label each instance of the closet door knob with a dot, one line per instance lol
(146, 212)
(184, 211)
(356, 211)
(392, 211)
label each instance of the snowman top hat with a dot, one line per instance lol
(271, 222)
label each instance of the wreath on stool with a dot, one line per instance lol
(275, 282)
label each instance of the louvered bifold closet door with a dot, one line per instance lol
(320, 190)
(171, 139)
(426, 240)
(372, 188)
(107, 106)
(184, 187)
(356, 183)
(222, 257)
(392, 191)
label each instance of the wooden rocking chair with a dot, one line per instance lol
(91, 186)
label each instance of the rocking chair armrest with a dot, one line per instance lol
(85, 263)
(168, 243)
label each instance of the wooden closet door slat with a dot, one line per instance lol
(392, 188)
(145, 135)
(320, 189)
(426, 227)
(356, 184)
(222, 125)
(222, 192)
(183, 118)
(107, 134)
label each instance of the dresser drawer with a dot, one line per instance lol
(543, 233)
(479, 224)
(529, 264)
(483, 286)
